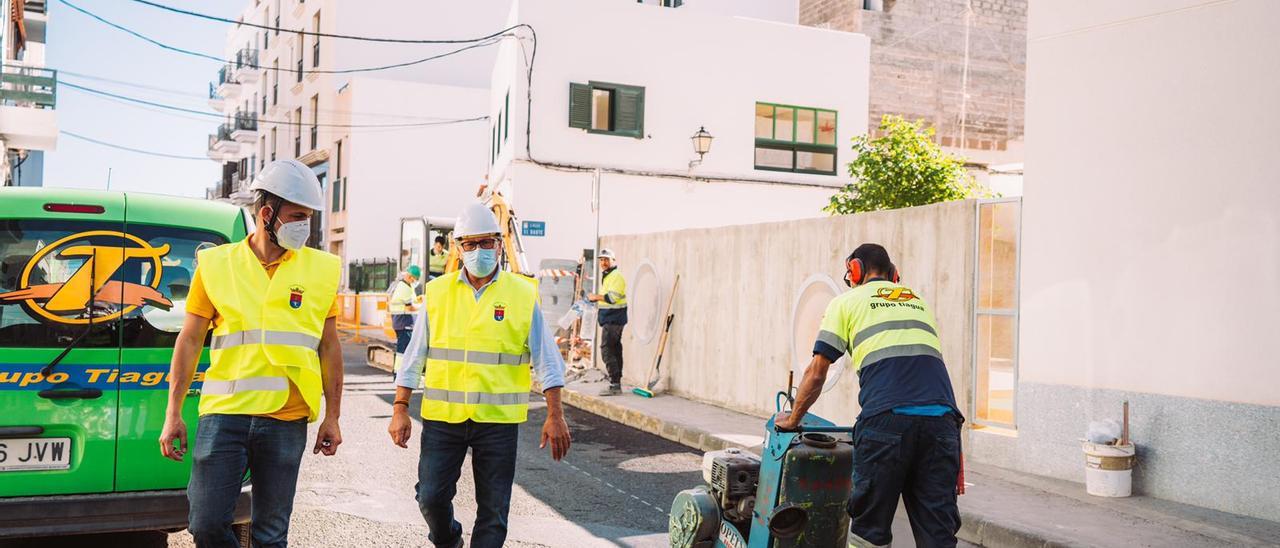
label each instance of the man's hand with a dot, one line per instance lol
(174, 429)
(401, 427)
(785, 421)
(595, 298)
(556, 431)
(328, 438)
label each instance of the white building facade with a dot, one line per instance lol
(1162, 293)
(627, 98)
(28, 93)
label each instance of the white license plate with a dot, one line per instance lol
(35, 454)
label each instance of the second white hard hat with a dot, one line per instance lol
(476, 220)
(291, 180)
(607, 253)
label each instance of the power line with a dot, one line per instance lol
(302, 32)
(99, 92)
(129, 149)
(485, 42)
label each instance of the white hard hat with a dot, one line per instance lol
(291, 180)
(476, 220)
(607, 253)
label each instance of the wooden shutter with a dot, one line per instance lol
(580, 106)
(629, 111)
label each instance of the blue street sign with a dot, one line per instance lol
(533, 228)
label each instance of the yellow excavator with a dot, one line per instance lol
(416, 237)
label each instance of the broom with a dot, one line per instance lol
(655, 372)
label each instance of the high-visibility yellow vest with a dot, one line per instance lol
(614, 287)
(478, 362)
(270, 329)
(437, 261)
(879, 320)
(401, 297)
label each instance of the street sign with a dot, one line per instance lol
(533, 228)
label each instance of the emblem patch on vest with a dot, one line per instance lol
(499, 311)
(295, 297)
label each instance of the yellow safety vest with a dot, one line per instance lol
(270, 330)
(880, 320)
(401, 297)
(437, 261)
(478, 362)
(614, 287)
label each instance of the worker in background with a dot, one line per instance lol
(400, 306)
(612, 305)
(275, 351)
(437, 258)
(480, 338)
(907, 437)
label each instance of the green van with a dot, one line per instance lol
(83, 380)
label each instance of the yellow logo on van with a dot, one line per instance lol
(67, 302)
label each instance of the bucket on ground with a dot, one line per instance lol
(1108, 469)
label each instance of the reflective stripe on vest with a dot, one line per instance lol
(268, 328)
(285, 338)
(478, 360)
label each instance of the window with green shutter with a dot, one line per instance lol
(610, 109)
(795, 139)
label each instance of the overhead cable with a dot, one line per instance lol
(130, 149)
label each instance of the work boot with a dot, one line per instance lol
(612, 390)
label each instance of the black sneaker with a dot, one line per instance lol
(612, 390)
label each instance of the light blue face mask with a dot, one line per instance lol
(481, 262)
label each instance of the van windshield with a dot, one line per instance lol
(53, 271)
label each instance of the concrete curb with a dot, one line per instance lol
(979, 530)
(688, 436)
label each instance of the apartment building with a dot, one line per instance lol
(28, 93)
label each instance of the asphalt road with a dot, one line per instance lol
(613, 489)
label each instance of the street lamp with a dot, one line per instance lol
(701, 145)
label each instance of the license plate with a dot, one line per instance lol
(35, 454)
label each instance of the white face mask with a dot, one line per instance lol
(293, 236)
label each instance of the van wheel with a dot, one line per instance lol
(243, 537)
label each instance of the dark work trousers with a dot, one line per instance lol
(611, 351)
(493, 464)
(917, 458)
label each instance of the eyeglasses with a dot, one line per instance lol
(471, 245)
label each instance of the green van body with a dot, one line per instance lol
(78, 446)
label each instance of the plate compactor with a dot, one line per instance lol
(793, 495)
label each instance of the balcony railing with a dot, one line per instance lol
(213, 91)
(245, 121)
(224, 76)
(247, 59)
(223, 133)
(28, 86)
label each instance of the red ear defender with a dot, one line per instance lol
(895, 277)
(853, 272)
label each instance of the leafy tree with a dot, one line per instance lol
(904, 168)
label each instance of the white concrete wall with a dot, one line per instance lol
(1151, 245)
(731, 341)
(1148, 129)
(704, 70)
(782, 11)
(414, 172)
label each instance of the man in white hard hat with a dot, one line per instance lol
(480, 338)
(612, 304)
(274, 352)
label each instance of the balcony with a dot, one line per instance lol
(221, 146)
(228, 87)
(216, 102)
(244, 127)
(28, 96)
(246, 69)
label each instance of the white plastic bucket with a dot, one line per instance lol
(1108, 469)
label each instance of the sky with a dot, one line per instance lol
(82, 45)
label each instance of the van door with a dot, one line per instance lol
(147, 339)
(61, 293)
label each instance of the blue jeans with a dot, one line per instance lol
(225, 447)
(493, 463)
(915, 457)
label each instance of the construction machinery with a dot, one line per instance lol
(794, 494)
(416, 237)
